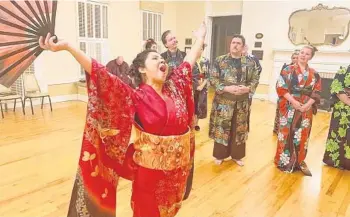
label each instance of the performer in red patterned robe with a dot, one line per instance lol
(160, 156)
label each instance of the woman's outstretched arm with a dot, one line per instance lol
(49, 44)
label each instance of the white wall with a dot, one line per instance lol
(124, 37)
(124, 29)
(268, 17)
(189, 15)
(271, 18)
(60, 67)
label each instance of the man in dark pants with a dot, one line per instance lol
(234, 77)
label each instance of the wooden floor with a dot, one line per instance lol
(39, 156)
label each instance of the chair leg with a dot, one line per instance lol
(31, 105)
(14, 106)
(50, 103)
(23, 110)
(42, 102)
(2, 112)
(24, 103)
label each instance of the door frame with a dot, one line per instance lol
(209, 21)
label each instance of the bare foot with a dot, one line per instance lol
(239, 162)
(218, 162)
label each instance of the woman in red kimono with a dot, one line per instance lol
(298, 88)
(161, 114)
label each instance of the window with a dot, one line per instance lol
(93, 30)
(152, 27)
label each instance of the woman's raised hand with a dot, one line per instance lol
(49, 44)
(201, 31)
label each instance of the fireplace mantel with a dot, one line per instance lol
(283, 50)
(324, 62)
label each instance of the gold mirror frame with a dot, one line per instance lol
(320, 6)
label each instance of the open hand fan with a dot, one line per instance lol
(21, 25)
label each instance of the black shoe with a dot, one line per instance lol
(303, 167)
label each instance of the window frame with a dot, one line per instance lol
(157, 32)
(93, 41)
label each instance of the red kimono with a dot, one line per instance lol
(160, 160)
(295, 126)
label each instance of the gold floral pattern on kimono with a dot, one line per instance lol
(162, 152)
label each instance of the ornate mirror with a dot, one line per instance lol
(319, 26)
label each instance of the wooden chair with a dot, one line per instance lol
(6, 95)
(32, 90)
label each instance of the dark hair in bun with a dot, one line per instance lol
(139, 62)
(149, 43)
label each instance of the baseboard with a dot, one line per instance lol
(83, 98)
(63, 98)
(37, 101)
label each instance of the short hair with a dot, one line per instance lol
(240, 37)
(164, 35)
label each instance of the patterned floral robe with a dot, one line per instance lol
(338, 142)
(295, 126)
(106, 155)
(229, 119)
(199, 73)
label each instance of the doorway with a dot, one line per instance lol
(223, 29)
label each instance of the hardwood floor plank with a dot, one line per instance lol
(39, 157)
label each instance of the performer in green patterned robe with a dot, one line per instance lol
(234, 77)
(338, 143)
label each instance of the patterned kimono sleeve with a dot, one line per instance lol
(183, 80)
(215, 76)
(316, 91)
(110, 112)
(105, 141)
(338, 84)
(254, 82)
(257, 65)
(282, 82)
(182, 77)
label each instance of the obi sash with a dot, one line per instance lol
(161, 152)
